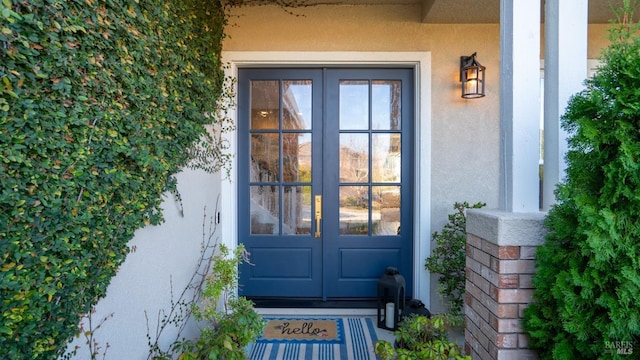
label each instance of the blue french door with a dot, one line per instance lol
(325, 180)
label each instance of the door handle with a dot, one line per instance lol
(318, 209)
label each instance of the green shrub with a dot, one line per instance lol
(587, 283)
(231, 322)
(421, 338)
(101, 103)
(228, 322)
(448, 258)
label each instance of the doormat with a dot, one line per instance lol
(316, 339)
(304, 330)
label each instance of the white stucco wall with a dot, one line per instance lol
(164, 254)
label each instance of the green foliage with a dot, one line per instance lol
(421, 338)
(449, 257)
(587, 281)
(229, 322)
(101, 103)
(233, 332)
(230, 328)
(180, 311)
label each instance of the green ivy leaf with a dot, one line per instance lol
(93, 140)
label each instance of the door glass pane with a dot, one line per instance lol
(385, 104)
(354, 157)
(296, 104)
(385, 162)
(296, 157)
(296, 208)
(265, 158)
(354, 105)
(354, 210)
(265, 213)
(385, 214)
(265, 104)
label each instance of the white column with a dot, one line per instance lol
(565, 53)
(519, 105)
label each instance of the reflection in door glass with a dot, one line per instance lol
(354, 157)
(296, 157)
(386, 158)
(354, 105)
(265, 150)
(385, 104)
(385, 214)
(265, 213)
(280, 167)
(354, 210)
(296, 208)
(265, 104)
(296, 104)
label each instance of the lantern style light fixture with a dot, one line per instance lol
(472, 77)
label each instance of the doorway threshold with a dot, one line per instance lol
(271, 302)
(314, 307)
(311, 312)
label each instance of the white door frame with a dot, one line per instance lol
(421, 62)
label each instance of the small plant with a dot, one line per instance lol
(233, 326)
(449, 257)
(88, 329)
(230, 323)
(421, 338)
(229, 336)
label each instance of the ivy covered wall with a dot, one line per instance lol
(101, 103)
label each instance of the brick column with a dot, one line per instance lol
(500, 266)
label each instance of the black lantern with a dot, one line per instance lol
(472, 77)
(391, 299)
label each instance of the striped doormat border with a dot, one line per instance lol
(358, 344)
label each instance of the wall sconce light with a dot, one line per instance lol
(472, 77)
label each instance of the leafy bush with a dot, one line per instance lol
(587, 281)
(235, 325)
(449, 257)
(101, 102)
(421, 338)
(230, 322)
(231, 334)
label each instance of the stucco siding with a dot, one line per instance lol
(163, 261)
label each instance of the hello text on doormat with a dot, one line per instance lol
(320, 330)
